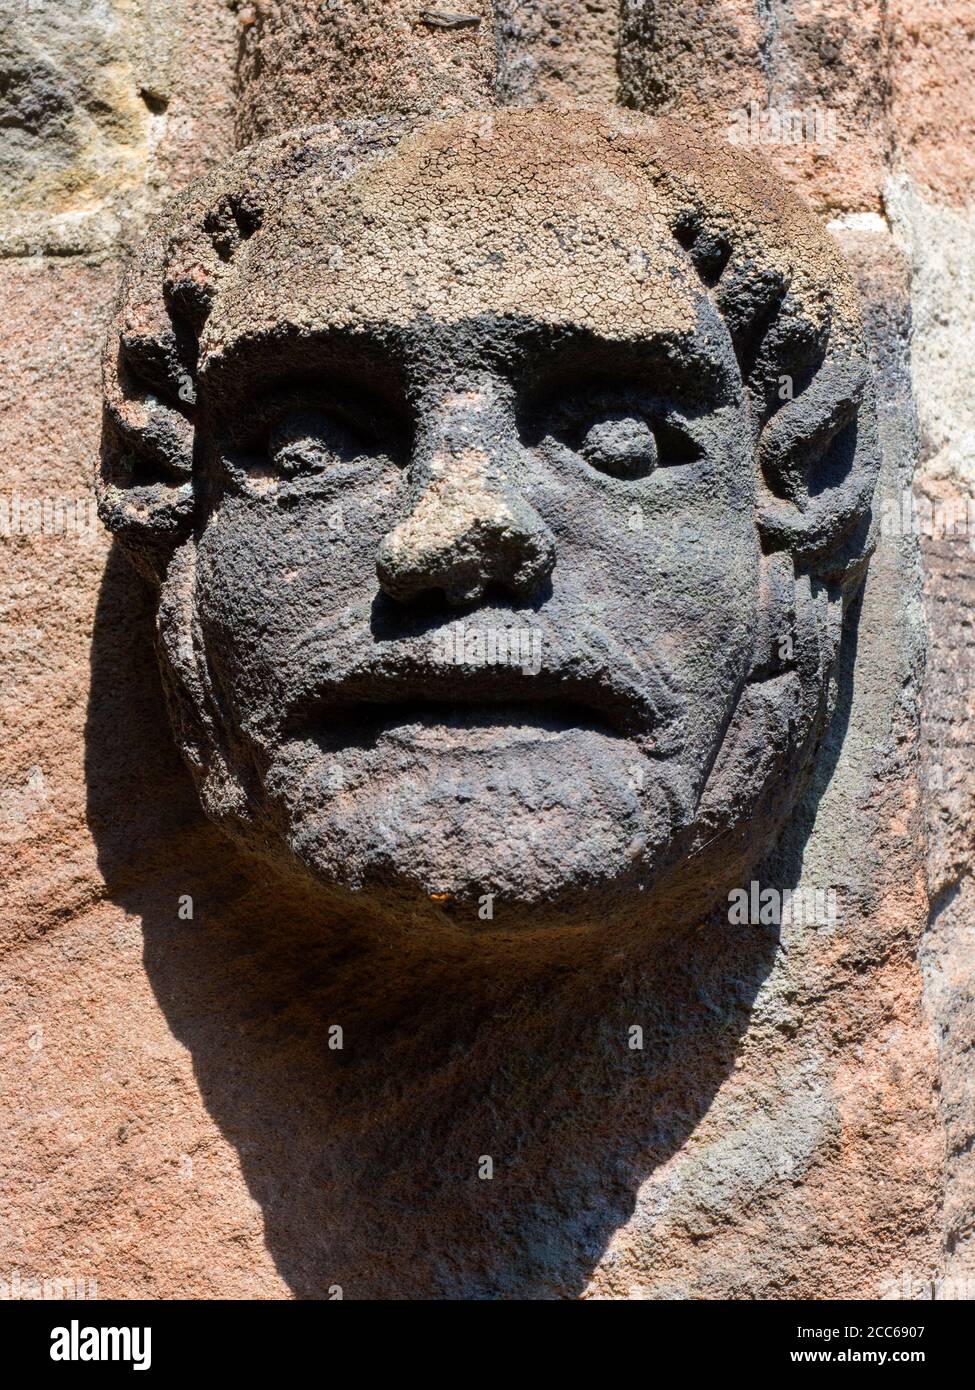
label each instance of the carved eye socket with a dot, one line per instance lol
(315, 441)
(622, 445)
(627, 442)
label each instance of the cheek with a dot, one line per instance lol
(268, 573)
(691, 591)
(670, 567)
(689, 604)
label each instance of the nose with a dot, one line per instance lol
(469, 526)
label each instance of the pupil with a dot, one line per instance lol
(622, 445)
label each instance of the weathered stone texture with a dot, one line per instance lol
(717, 59)
(302, 62)
(112, 1170)
(106, 110)
(895, 79)
(177, 1123)
(932, 111)
(556, 51)
(947, 777)
(899, 82)
(49, 426)
(930, 203)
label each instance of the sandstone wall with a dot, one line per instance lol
(800, 1123)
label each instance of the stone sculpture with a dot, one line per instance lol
(505, 480)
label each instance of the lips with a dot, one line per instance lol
(476, 710)
(452, 724)
(403, 689)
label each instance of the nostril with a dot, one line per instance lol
(401, 562)
(462, 593)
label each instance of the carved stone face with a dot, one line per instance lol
(480, 586)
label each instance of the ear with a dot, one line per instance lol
(791, 310)
(145, 488)
(149, 367)
(819, 456)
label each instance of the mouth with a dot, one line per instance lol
(407, 699)
(444, 724)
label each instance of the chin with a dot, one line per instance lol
(551, 831)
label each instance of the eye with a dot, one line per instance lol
(626, 430)
(314, 441)
(629, 442)
(622, 445)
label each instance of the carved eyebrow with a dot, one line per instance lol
(689, 364)
(693, 363)
(701, 344)
(260, 364)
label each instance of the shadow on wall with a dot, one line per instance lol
(365, 1161)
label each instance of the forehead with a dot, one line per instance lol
(481, 229)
